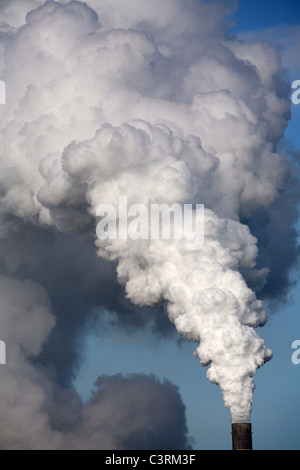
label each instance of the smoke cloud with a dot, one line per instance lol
(108, 99)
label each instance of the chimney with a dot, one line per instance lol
(241, 436)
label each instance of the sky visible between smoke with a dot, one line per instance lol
(107, 99)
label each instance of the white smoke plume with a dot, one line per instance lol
(152, 100)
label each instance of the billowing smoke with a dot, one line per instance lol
(153, 101)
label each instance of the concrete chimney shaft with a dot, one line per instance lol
(241, 436)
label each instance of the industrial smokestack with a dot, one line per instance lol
(241, 436)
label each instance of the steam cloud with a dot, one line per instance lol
(152, 100)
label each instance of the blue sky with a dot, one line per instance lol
(258, 14)
(276, 408)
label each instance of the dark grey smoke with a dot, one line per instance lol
(138, 411)
(278, 242)
(80, 286)
(132, 412)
